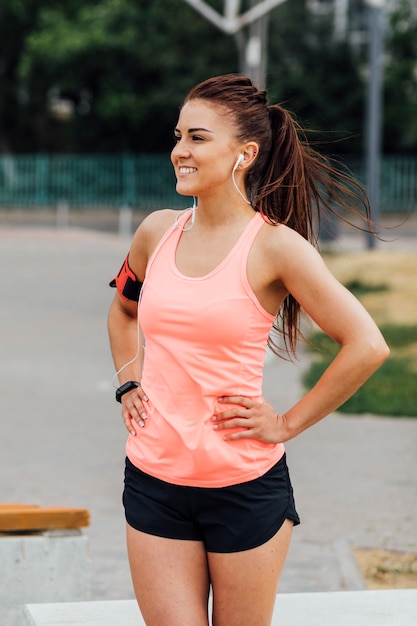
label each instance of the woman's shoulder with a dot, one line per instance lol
(147, 236)
(279, 237)
(284, 249)
(153, 227)
(157, 222)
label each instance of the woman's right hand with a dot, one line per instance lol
(134, 409)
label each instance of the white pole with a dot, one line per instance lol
(62, 214)
(125, 221)
(373, 143)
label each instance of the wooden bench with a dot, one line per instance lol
(30, 518)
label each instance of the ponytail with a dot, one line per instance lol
(290, 182)
(298, 188)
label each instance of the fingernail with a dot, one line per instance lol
(145, 398)
(143, 414)
(132, 432)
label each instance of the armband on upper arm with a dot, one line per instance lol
(127, 283)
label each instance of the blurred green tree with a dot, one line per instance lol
(109, 75)
(317, 77)
(400, 94)
(115, 71)
(18, 18)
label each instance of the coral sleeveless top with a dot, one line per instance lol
(205, 337)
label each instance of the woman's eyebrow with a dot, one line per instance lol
(195, 130)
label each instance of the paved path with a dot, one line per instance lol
(62, 440)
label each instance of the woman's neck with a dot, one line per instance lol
(220, 212)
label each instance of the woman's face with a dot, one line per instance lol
(206, 149)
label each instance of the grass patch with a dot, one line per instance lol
(386, 284)
(387, 569)
(392, 390)
(359, 288)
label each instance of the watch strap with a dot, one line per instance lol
(120, 391)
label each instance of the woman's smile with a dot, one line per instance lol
(185, 171)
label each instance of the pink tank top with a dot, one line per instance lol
(205, 337)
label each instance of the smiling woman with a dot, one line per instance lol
(208, 498)
(199, 155)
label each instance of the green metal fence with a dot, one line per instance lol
(147, 181)
(92, 181)
(399, 183)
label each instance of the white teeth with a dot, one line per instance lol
(187, 170)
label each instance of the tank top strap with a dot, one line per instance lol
(176, 227)
(250, 233)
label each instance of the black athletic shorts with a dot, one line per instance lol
(225, 519)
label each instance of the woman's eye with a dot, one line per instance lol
(178, 138)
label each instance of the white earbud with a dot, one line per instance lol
(240, 158)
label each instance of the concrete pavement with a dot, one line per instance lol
(62, 439)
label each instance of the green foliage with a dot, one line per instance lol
(400, 97)
(400, 337)
(391, 391)
(125, 66)
(316, 77)
(359, 288)
(17, 19)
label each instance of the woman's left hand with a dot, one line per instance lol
(259, 420)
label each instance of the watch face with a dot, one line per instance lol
(131, 384)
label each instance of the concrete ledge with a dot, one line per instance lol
(340, 608)
(40, 568)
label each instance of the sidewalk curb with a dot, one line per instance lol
(350, 572)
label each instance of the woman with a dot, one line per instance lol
(208, 498)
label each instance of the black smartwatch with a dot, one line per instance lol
(131, 384)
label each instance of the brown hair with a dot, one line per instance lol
(290, 182)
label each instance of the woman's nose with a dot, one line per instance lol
(180, 150)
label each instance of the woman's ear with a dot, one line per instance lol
(249, 152)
